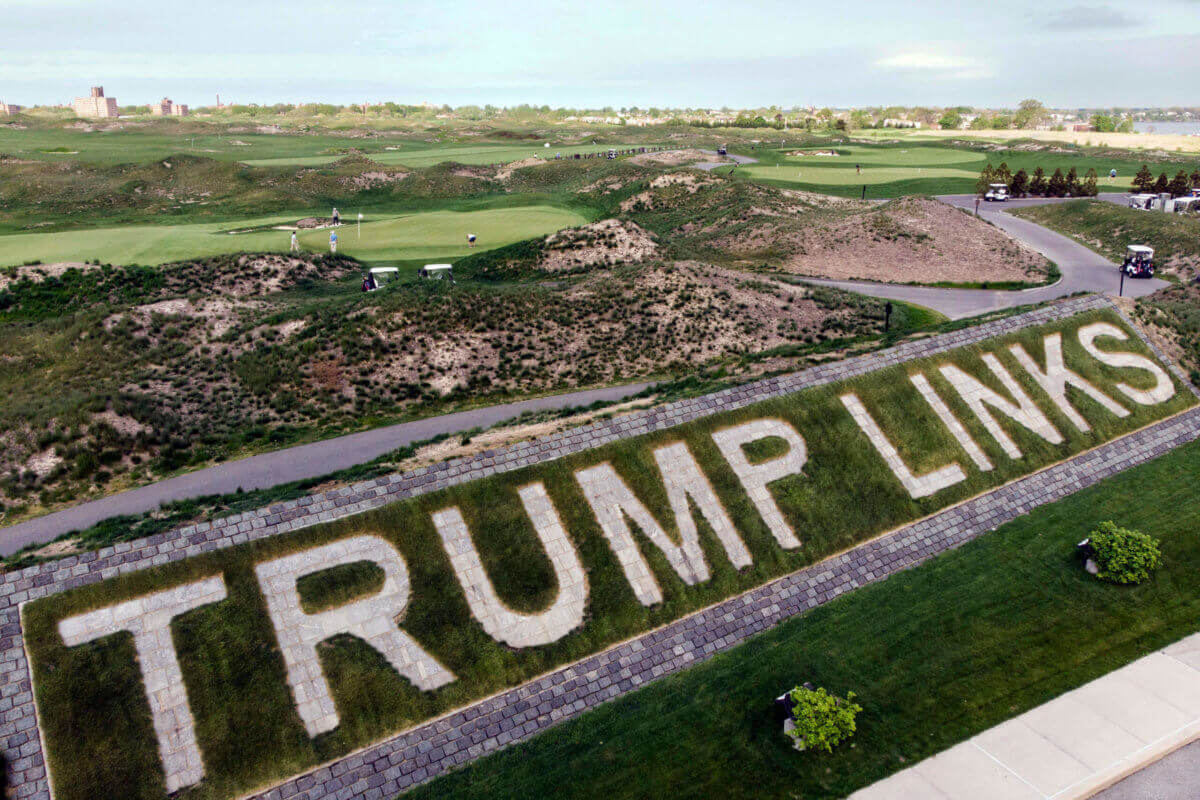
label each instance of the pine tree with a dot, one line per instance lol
(987, 176)
(1089, 188)
(1019, 184)
(1163, 184)
(1057, 187)
(1037, 186)
(1143, 182)
(1073, 183)
(1179, 184)
(1195, 179)
(1003, 174)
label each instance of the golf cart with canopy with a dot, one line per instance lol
(1142, 201)
(378, 277)
(436, 272)
(997, 192)
(1139, 261)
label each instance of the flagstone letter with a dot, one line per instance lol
(498, 621)
(978, 397)
(148, 618)
(927, 484)
(952, 423)
(372, 619)
(755, 477)
(612, 501)
(1163, 389)
(1056, 378)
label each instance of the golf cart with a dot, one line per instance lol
(997, 192)
(1143, 201)
(723, 150)
(378, 277)
(1139, 261)
(1185, 205)
(437, 272)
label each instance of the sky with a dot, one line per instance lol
(677, 53)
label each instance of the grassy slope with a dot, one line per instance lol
(1108, 228)
(433, 234)
(935, 655)
(1175, 311)
(463, 154)
(892, 170)
(247, 726)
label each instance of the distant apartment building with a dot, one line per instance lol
(168, 108)
(96, 104)
(7, 109)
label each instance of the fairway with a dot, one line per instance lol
(426, 156)
(434, 234)
(892, 170)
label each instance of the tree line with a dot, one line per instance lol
(1182, 184)
(1022, 184)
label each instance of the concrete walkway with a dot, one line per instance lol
(293, 464)
(1074, 746)
(1082, 269)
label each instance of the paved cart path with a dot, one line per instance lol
(293, 464)
(1082, 269)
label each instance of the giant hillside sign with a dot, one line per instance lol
(221, 673)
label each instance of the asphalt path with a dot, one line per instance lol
(292, 464)
(1082, 269)
(1174, 777)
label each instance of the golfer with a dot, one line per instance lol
(295, 243)
(333, 242)
(337, 218)
(470, 240)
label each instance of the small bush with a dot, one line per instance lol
(1124, 556)
(822, 720)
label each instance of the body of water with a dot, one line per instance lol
(1192, 128)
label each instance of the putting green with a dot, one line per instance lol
(433, 234)
(824, 175)
(848, 156)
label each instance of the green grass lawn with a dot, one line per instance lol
(892, 170)
(422, 155)
(246, 723)
(935, 656)
(432, 234)
(137, 145)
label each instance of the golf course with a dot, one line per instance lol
(431, 234)
(897, 169)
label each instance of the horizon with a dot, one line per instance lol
(662, 54)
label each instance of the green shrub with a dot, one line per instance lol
(1124, 556)
(822, 720)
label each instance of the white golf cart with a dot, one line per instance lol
(1139, 261)
(436, 272)
(997, 192)
(1185, 205)
(378, 277)
(1143, 202)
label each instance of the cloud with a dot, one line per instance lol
(1090, 18)
(934, 65)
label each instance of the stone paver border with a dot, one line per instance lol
(412, 757)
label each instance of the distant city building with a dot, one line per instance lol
(7, 109)
(168, 108)
(96, 105)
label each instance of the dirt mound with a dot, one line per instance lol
(505, 172)
(605, 243)
(37, 273)
(913, 240)
(308, 223)
(672, 158)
